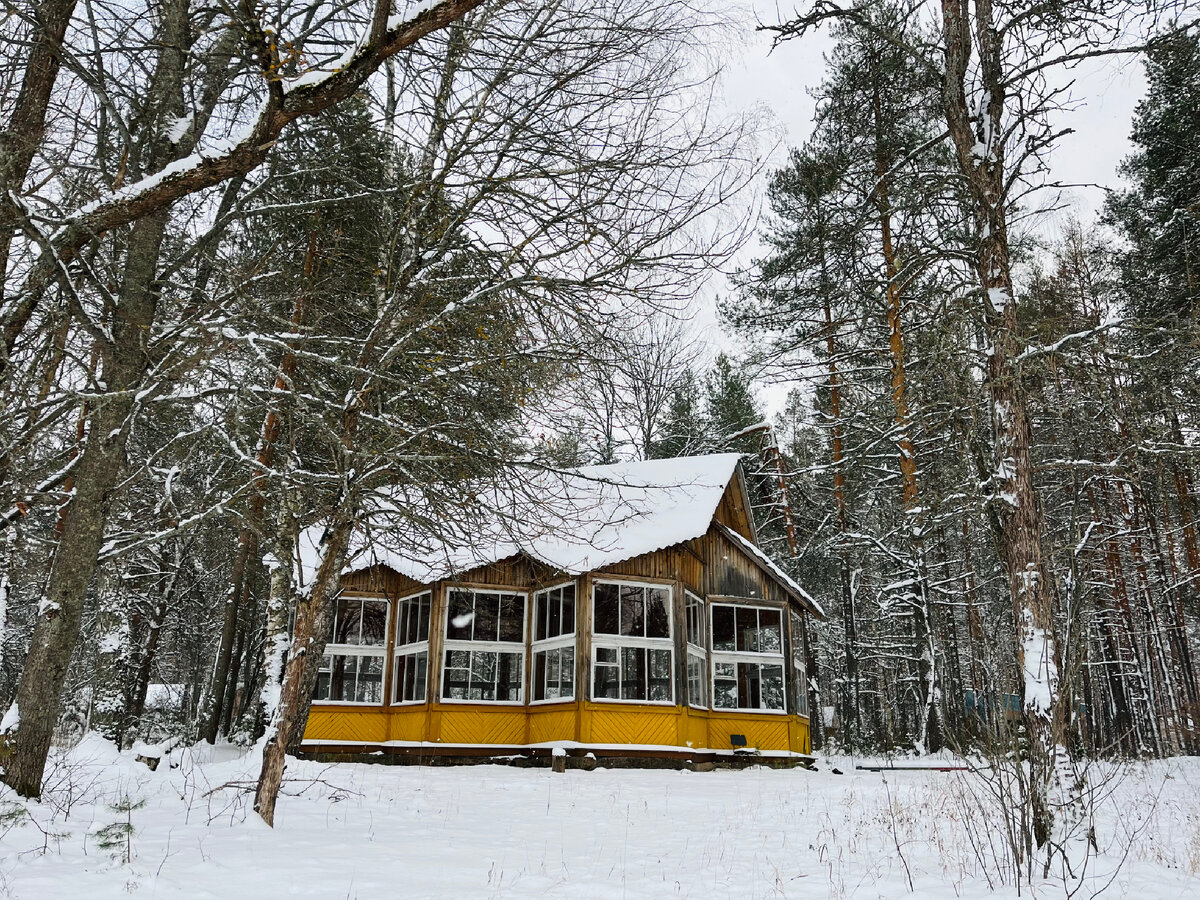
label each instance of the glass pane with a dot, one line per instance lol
(483, 675)
(606, 655)
(633, 611)
(606, 682)
(374, 622)
(607, 606)
(539, 676)
(633, 673)
(541, 615)
(423, 617)
(510, 676)
(568, 609)
(341, 678)
(660, 675)
(512, 618)
(487, 617)
(456, 675)
(411, 615)
(567, 672)
(460, 617)
(725, 687)
(321, 691)
(400, 677)
(402, 622)
(554, 624)
(658, 613)
(722, 628)
(747, 629)
(370, 680)
(772, 687)
(770, 631)
(749, 686)
(695, 621)
(346, 622)
(696, 680)
(421, 680)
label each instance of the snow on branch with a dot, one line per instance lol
(311, 94)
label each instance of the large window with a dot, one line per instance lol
(352, 667)
(554, 644)
(411, 672)
(747, 660)
(632, 651)
(485, 647)
(697, 662)
(799, 663)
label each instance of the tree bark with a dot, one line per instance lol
(969, 26)
(102, 460)
(19, 142)
(308, 640)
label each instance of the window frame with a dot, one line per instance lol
(619, 641)
(758, 658)
(558, 642)
(413, 649)
(799, 660)
(694, 651)
(360, 650)
(457, 644)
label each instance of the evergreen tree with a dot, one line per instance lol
(729, 405)
(1160, 214)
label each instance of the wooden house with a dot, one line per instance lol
(635, 615)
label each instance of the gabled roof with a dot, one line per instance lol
(575, 522)
(772, 571)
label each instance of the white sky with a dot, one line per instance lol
(780, 81)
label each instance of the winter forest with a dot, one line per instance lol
(265, 264)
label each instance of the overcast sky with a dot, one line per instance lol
(1106, 93)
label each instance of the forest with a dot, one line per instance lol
(270, 265)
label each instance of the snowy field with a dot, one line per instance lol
(358, 831)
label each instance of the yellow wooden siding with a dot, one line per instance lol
(596, 723)
(345, 723)
(552, 723)
(761, 732)
(408, 723)
(620, 723)
(482, 724)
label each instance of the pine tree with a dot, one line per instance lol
(1160, 214)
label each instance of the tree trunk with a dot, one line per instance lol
(308, 640)
(20, 140)
(102, 460)
(970, 26)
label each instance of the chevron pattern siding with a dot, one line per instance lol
(552, 725)
(331, 723)
(467, 725)
(761, 732)
(635, 725)
(409, 723)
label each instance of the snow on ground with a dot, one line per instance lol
(362, 831)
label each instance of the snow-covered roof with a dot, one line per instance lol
(575, 521)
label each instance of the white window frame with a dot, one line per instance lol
(414, 649)
(799, 661)
(618, 641)
(748, 657)
(696, 652)
(512, 647)
(558, 642)
(379, 650)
